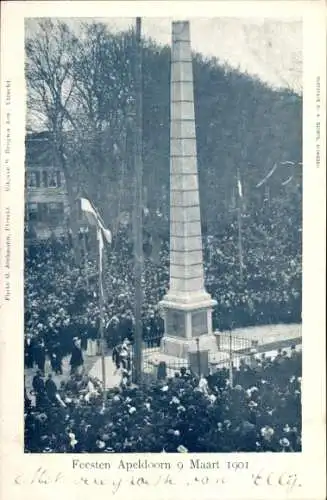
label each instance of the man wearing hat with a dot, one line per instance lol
(56, 356)
(51, 389)
(39, 354)
(76, 359)
(39, 389)
(28, 352)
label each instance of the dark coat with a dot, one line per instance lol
(29, 353)
(51, 388)
(39, 353)
(38, 383)
(76, 357)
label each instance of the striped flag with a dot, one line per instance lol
(102, 233)
(95, 220)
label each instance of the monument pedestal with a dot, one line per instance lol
(179, 348)
(187, 318)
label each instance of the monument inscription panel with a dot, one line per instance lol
(175, 323)
(199, 323)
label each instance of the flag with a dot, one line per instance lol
(239, 186)
(267, 176)
(102, 233)
(95, 220)
(100, 240)
(287, 181)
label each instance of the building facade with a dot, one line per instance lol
(46, 200)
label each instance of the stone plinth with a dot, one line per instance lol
(187, 307)
(180, 348)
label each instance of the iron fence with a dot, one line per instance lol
(234, 343)
(154, 367)
(230, 350)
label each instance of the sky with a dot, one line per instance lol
(270, 49)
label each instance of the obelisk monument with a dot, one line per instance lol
(187, 307)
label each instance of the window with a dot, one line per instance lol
(52, 179)
(42, 212)
(44, 178)
(55, 212)
(58, 178)
(50, 213)
(33, 178)
(32, 212)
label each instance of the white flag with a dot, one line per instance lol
(240, 190)
(95, 220)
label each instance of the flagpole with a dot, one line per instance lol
(230, 360)
(86, 271)
(101, 327)
(138, 207)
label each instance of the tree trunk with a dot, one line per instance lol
(72, 195)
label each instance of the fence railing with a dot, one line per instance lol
(230, 350)
(229, 342)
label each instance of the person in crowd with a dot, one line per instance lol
(56, 307)
(172, 414)
(116, 355)
(76, 359)
(40, 355)
(162, 371)
(39, 390)
(125, 355)
(27, 401)
(29, 352)
(56, 358)
(125, 377)
(203, 384)
(38, 382)
(51, 389)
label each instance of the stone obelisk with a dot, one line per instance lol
(187, 307)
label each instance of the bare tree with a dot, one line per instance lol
(103, 78)
(50, 94)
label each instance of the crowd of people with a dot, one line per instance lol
(260, 411)
(61, 298)
(270, 291)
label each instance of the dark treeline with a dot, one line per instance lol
(241, 123)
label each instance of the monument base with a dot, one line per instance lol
(186, 321)
(180, 347)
